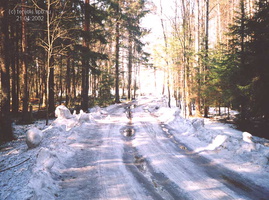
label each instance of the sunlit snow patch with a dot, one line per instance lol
(63, 112)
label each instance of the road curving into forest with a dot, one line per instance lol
(131, 155)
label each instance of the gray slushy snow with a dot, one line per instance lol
(35, 179)
(33, 137)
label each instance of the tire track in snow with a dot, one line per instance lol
(153, 164)
(169, 159)
(230, 179)
(117, 176)
(157, 185)
(230, 182)
(98, 171)
(79, 179)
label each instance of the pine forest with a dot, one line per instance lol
(83, 53)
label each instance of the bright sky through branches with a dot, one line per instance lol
(152, 21)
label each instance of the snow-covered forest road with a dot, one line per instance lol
(139, 150)
(111, 163)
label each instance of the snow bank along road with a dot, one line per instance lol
(131, 151)
(130, 155)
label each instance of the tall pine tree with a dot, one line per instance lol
(258, 45)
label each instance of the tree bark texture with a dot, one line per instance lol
(6, 133)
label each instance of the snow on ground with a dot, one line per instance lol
(234, 149)
(30, 173)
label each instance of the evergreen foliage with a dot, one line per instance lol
(248, 61)
(258, 60)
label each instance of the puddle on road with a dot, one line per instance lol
(173, 139)
(140, 163)
(182, 147)
(128, 132)
(165, 130)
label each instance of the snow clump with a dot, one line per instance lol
(247, 137)
(85, 117)
(33, 137)
(63, 112)
(217, 142)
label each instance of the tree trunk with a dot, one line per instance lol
(198, 106)
(74, 89)
(117, 95)
(51, 90)
(25, 97)
(37, 79)
(229, 111)
(130, 65)
(190, 108)
(166, 59)
(6, 133)
(68, 82)
(242, 56)
(168, 88)
(219, 108)
(61, 80)
(123, 84)
(15, 76)
(135, 79)
(49, 54)
(164, 78)
(198, 112)
(85, 86)
(85, 67)
(206, 106)
(184, 61)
